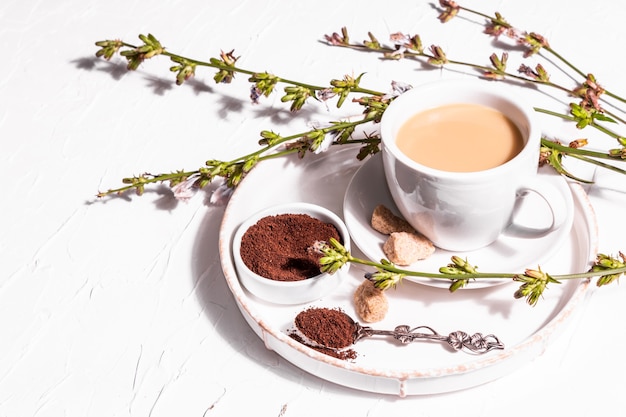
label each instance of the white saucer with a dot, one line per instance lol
(368, 188)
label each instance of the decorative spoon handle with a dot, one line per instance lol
(476, 343)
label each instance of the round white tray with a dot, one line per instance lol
(382, 365)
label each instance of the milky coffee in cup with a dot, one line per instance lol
(460, 137)
(458, 155)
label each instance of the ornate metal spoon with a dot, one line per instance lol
(458, 340)
(334, 329)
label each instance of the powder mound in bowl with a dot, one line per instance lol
(278, 247)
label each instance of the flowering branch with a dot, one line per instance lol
(459, 272)
(497, 25)
(263, 84)
(406, 46)
(588, 112)
(552, 152)
(410, 47)
(184, 183)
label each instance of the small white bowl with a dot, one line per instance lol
(290, 292)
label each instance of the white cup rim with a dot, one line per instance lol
(485, 88)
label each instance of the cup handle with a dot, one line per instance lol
(557, 202)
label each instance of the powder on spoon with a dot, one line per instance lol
(326, 326)
(330, 331)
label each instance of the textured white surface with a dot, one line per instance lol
(119, 307)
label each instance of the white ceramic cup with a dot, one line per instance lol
(464, 211)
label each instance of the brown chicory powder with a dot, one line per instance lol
(344, 354)
(331, 331)
(278, 247)
(328, 327)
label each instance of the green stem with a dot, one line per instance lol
(599, 163)
(504, 23)
(593, 124)
(494, 275)
(579, 152)
(513, 76)
(226, 67)
(565, 61)
(152, 179)
(484, 68)
(547, 48)
(568, 117)
(145, 180)
(616, 97)
(326, 130)
(396, 270)
(477, 13)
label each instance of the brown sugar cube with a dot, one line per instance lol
(370, 302)
(384, 221)
(404, 248)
